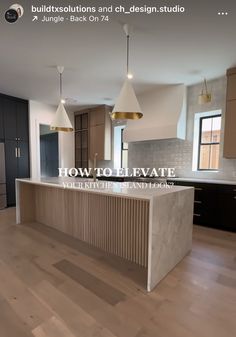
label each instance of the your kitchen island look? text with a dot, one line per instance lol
(149, 227)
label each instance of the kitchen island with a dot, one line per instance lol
(149, 226)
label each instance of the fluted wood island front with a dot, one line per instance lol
(149, 227)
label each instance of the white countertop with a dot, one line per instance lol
(126, 189)
(204, 180)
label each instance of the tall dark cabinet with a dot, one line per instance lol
(15, 129)
(1, 122)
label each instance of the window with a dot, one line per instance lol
(209, 142)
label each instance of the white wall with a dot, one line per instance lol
(40, 113)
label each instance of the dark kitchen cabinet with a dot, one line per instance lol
(214, 204)
(1, 121)
(9, 113)
(227, 205)
(11, 152)
(22, 117)
(15, 128)
(15, 119)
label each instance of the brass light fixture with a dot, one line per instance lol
(127, 106)
(61, 121)
(205, 96)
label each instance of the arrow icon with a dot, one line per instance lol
(35, 18)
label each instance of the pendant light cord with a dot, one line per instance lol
(60, 85)
(127, 55)
(205, 82)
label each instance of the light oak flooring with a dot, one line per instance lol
(55, 286)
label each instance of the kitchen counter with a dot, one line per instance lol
(148, 226)
(206, 181)
(129, 189)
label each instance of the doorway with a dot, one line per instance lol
(49, 154)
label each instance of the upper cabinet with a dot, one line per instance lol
(9, 113)
(98, 115)
(1, 120)
(22, 117)
(81, 139)
(92, 135)
(15, 113)
(100, 133)
(230, 116)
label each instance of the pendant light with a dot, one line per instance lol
(127, 106)
(61, 121)
(205, 96)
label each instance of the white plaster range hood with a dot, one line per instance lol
(164, 115)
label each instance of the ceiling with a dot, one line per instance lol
(165, 49)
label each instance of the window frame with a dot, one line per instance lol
(200, 142)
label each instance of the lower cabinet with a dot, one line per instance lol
(214, 205)
(227, 205)
(17, 166)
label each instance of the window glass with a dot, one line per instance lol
(209, 145)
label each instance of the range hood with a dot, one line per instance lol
(164, 115)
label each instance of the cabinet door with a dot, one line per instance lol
(230, 134)
(23, 160)
(22, 122)
(11, 170)
(231, 87)
(9, 110)
(78, 123)
(227, 207)
(97, 142)
(1, 119)
(84, 152)
(84, 121)
(97, 116)
(78, 149)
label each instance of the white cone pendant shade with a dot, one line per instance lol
(127, 105)
(61, 120)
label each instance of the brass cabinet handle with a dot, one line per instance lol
(16, 152)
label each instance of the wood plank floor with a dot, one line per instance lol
(54, 286)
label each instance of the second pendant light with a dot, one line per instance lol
(127, 105)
